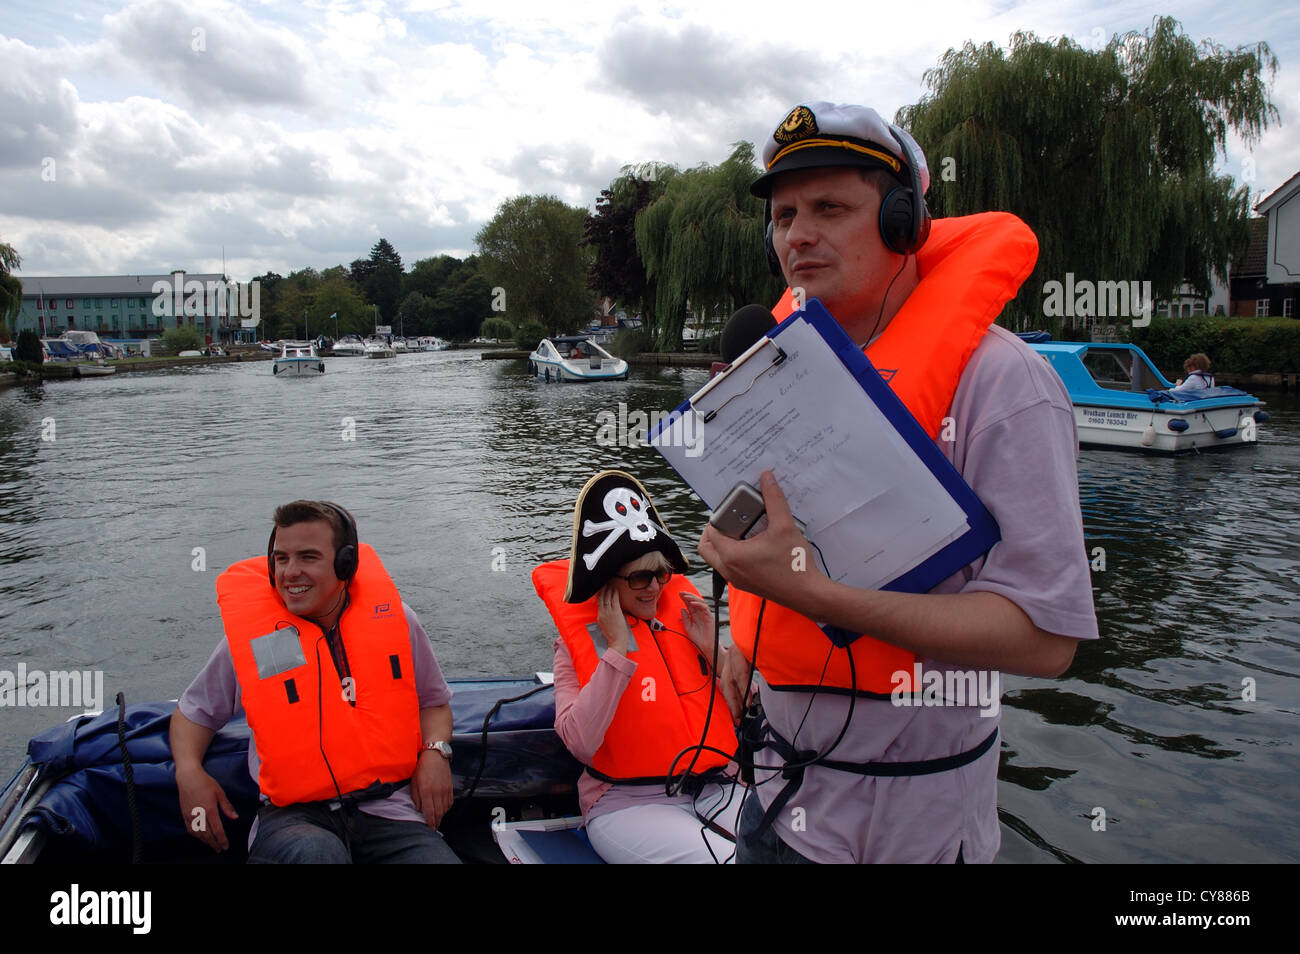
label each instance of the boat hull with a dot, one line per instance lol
(1125, 428)
(298, 367)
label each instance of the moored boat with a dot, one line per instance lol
(349, 346)
(298, 359)
(379, 348)
(1122, 401)
(574, 358)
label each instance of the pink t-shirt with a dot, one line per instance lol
(1015, 445)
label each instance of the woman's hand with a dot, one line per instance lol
(611, 619)
(697, 621)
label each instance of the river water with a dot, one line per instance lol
(122, 498)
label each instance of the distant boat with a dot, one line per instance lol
(298, 359)
(575, 358)
(379, 348)
(349, 346)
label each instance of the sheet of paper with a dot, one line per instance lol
(871, 506)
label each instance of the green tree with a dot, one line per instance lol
(498, 328)
(461, 302)
(1107, 155)
(531, 250)
(702, 244)
(184, 338)
(384, 284)
(28, 347)
(416, 315)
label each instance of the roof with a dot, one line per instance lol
(1256, 260)
(59, 286)
(1279, 195)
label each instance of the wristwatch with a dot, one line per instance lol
(442, 748)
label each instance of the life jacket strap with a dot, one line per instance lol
(796, 761)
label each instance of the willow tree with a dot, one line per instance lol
(702, 244)
(11, 289)
(1108, 155)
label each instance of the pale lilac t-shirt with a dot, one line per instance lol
(214, 698)
(1016, 446)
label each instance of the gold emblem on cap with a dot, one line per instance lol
(800, 124)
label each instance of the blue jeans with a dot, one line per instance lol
(313, 834)
(767, 848)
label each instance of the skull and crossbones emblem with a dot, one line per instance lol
(627, 514)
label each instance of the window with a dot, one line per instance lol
(69, 302)
(113, 303)
(40, 304)
(1198, 307)
(1261, 307)
(1288, 308)
(99, 304)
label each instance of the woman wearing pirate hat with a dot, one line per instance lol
(636, 700)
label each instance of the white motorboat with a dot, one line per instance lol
(574, 358)
(433, 343)
(1121, 401)
(349, 346)
(379, 348)
(298, 359)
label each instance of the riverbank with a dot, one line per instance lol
(67, 369)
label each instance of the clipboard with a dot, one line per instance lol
(773, 409)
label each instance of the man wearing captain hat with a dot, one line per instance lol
(880, 753)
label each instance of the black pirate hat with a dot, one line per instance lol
(614, 523)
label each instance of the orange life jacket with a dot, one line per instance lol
(295, 702)
(970, 268)
(663, 710)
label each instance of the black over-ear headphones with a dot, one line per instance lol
(904, 217)
(345, 557)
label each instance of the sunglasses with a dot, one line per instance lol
(641, 578)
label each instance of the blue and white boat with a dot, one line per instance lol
(574, 358)
(298, 359)
(1122, 401)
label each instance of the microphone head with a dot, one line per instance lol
(744, 328)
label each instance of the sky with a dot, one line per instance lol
(146, 136)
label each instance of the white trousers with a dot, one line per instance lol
(669, 832)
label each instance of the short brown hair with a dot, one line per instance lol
(306, 511)
(1197, 362)
(882, 179)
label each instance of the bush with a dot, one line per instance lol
(1235, 345)
(529, 334)
(28, 347)
(184, 338)
(499, 328)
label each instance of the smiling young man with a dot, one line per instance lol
(868, 764)
(350, 713)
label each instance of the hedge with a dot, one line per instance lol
(1234, 345)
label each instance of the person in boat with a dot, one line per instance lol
(871, 763)
(1197, 371)
(635, 697)
(349, 710)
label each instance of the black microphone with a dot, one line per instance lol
(744, 328)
